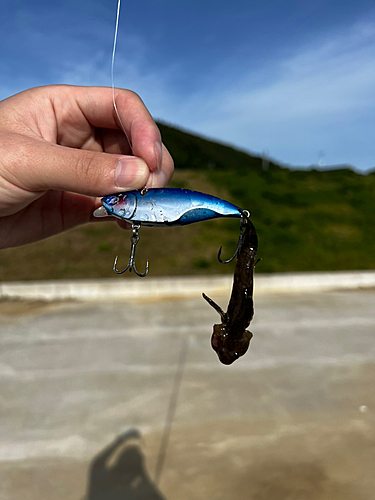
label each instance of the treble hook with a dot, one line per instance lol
(131, 263)
(244, 217)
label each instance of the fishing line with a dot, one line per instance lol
(171, 410)
(113, 68)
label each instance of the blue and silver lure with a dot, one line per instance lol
(163, 207)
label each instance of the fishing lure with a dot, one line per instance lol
(230, 339)
(163, 207)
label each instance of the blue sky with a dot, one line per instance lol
(294, 80)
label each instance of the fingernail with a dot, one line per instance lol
(157, 180)
(131, 173)
(158, 154)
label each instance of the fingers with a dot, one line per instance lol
(140, 129)
(96, 104)
(35, 165)
(161, 177)
(80, 120)
(134, 119)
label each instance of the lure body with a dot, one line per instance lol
(166, 207)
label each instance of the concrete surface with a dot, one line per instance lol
(85, 391)
(125, 287)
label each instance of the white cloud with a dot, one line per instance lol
(320, 99)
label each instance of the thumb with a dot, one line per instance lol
(41, 166)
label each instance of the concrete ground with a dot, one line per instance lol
(86, 390)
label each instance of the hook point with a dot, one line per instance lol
(131, 264)
(245, 214)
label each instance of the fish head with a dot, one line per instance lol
(227, 348)
(121, 205)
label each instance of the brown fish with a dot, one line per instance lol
(230, 339)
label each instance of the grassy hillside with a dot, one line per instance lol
(306, 220)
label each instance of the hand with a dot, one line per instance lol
(61, 147)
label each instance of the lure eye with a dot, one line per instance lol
(112, 200)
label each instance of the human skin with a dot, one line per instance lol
(62, 148)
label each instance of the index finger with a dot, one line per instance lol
(96, 104)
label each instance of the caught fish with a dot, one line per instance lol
(230, 339)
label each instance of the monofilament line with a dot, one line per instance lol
(113, 69)
(171, 410)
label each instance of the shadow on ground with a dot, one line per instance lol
(119, 472)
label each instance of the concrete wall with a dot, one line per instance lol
(121, 288)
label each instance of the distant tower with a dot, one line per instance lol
(321, 158)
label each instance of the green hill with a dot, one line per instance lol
(307, 220)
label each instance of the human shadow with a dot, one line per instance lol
(119, 473)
